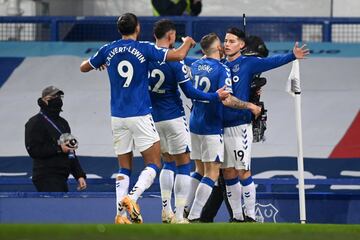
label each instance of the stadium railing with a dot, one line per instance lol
(276, 29)
(265, 185)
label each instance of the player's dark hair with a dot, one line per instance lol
(237, 32)
(207, 40)
(163, 26)
(127, 23)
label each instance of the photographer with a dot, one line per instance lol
(256, 47)
(176, 7)
(51, 146)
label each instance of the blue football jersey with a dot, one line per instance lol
(165, 77)
(127, 65)
(243, 70)
(208, 75)
(164, 93)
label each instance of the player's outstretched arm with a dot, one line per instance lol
(193, 93)
(234, 102)
(86, 66)
(300, 52)
(259, 65)
(181, 52)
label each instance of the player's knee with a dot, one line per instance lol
(229, 173)
(244, 174)
(212, 173)
(166, 157)
(181, 159)
(199, 166)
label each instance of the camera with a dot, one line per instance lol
(259, 124)
(256, 84)
(70, 141)
(256, 47)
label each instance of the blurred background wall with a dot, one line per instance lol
(302, 8)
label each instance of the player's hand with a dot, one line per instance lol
(300, 52)
(81, 184)
(102, 67)
(227, 101)
(189, 40)
(222, 93)
(66, 149)
(255, 109)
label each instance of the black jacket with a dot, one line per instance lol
(170, 8)
(41, 143)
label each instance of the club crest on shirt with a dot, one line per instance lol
(236, 68)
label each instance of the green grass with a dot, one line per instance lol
(173, 232)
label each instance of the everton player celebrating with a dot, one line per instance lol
(132, 124)
(170, 122)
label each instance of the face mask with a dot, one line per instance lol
(55, 104)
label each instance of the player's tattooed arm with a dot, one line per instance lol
(234, 102)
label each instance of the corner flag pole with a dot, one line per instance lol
(293, 87)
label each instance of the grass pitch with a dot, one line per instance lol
(173, 232)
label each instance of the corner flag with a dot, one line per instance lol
(293, 83)
(293, 87)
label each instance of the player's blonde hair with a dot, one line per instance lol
(207, 43)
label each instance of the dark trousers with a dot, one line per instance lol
(212, 206)
(51, 184)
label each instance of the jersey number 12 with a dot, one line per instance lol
(202, 81)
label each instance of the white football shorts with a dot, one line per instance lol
(238, 141)
(174, 136)
(133, 132)
(207, 148)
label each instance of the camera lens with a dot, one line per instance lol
(72, 142)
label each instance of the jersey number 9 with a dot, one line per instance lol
(126, 70)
